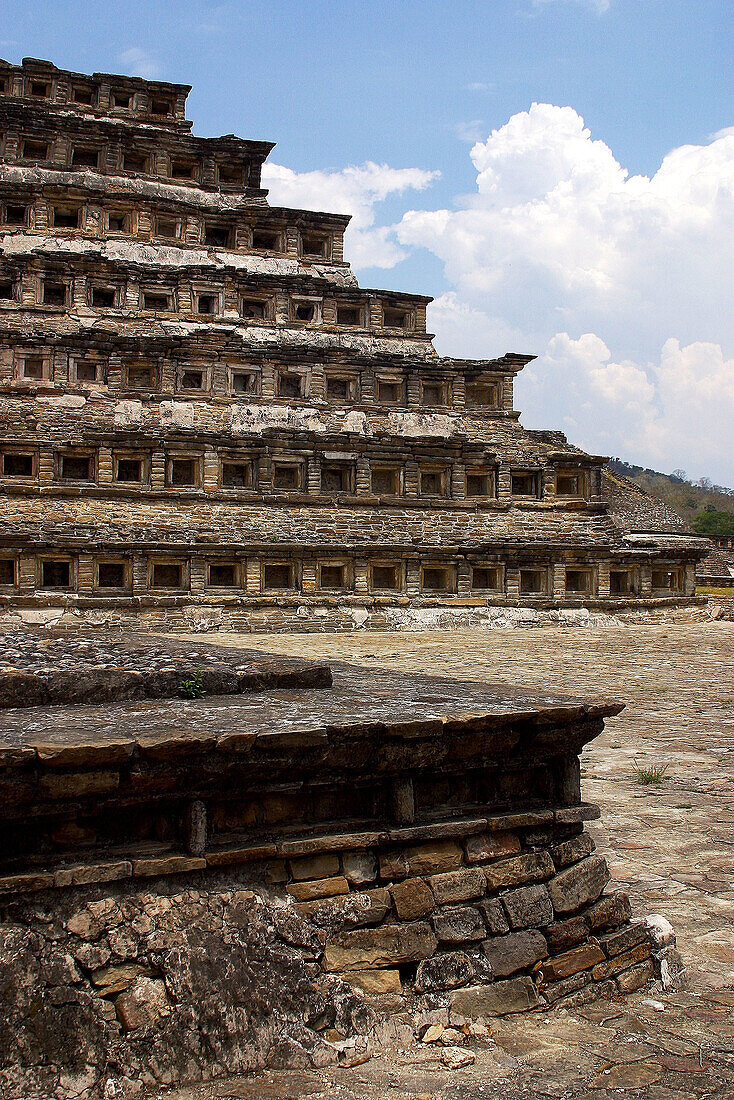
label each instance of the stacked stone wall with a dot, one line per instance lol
(179, 979)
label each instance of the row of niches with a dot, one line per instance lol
(338, 386)
(123, 98)
(238, 471)
(232, 232)
(229, 301)
(127, 574)
(134, 156)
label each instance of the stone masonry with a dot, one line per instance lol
(207, 422)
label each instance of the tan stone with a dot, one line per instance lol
(380, 948)
(144, 1004)
(167, 865)
(487, 846)
(497, 999)
(322, 888)
(521, 871)
(579, 884)
(629, 981)
(58, 785)
(412, 899)
(461, 885)
(93, 872)
(375, 981)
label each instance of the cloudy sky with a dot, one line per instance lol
(559, 174)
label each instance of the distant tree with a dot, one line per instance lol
(679, 475)
(712, 522)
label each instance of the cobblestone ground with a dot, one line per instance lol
(671, 845)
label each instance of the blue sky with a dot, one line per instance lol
(437, 96)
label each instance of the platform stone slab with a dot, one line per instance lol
(533, 867)
(488, 846)
(571, 962)
(461, 885)
(498, 999)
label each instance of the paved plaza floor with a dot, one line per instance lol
(671, 845)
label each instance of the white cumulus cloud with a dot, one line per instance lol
(138, 62)
(561, 249)
(353, 190)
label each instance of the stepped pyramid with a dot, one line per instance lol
(208, 422)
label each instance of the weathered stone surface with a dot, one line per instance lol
(609, 912)
(389, 945)
(359, 868)
(93, 872)
(562, 935)
(609, 968)
(421, 859)
(167, 865)
(488, 846)
(144, 1004)
(533, 867)
(507, 954)
(459, 924)
(347, 910)
(495, 916)
(78, 784)
(412, 898)
(566, 986)
(629, 981)
(571, 962)
(323, 888)
(571, 851)
(460, 885)
(579, 884)
(446, 970)
(624, 939)
(498, 999)
(528, 907)
(376, 982)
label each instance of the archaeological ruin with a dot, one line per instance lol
(207, 422)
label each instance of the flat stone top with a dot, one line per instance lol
(32, 650)
(360, 700)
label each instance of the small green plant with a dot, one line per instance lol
(193, 688)
(651, 776)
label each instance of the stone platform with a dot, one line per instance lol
(39, 670)
(266, 869)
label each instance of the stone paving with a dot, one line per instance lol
(671, 845)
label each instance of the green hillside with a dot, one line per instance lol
(708, 508)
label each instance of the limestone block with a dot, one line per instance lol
(459, 924)
(533, 867)
(389, 945)
(347, 910)
(498, 999)
(447, 970)
(325, 865)
(412, 899)
(375, 981)
(322, 888)
(564, 988)
(579, 884)
(571, 851)
(624, 939)
(565, 934)
(528, 907)
(507, 954)
(144, 1004)
(629, 981)
(458, 885)
(571, 962)
(609, 968)
(486, 846)
(495, 916)
(609, 912)
(422, 859)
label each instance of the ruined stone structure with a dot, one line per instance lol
(206, 885)
(206, 421)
